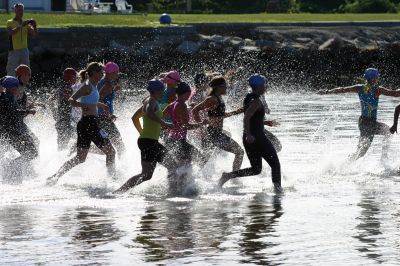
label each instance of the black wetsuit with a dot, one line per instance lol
(13, 129)
(63, 117)
(260, 148)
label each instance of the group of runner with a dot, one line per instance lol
(172, 108)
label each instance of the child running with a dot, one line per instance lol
(150, 149)
(215, 106)
(108, 87)
(255, 142)
(368, 94)
(88, 128)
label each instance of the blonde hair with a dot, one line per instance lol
(91, 68)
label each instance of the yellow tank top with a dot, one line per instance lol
(151, 129)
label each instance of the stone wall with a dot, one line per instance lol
(310, 54)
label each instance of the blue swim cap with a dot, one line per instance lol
(257, 80)
(9, 82)
(165, 19)
(155, 85)
(371, 74)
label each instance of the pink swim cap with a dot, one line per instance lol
(111, 67)
(172, 77)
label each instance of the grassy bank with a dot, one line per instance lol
(114, 20)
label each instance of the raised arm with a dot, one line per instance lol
(387, 92)
(337, 90)
(182, 116)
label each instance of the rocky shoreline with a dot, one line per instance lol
(309, 56)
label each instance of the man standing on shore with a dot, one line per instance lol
(18, 31)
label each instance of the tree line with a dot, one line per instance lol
(269, 6)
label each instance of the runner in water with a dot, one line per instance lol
(88, 128)
(12, 127)
(215, 107)
(183, 151)
(108, 87)
(368, 94)
(270, 123)
(151, 150)
(255, 142)
(63, 110)
(199, 92)
(171, 80)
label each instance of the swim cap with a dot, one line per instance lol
(257, 80)
(155, 85)
(111, 67)
(10, 82)
(217, 81)
(182, 88)
(22, 70)
(371, 74)
(172, 77)
(69, 74)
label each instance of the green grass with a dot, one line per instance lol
(115, 20)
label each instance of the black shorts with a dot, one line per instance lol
(151, 150)
(89, 130)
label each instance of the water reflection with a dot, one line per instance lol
(15, 223)
(90, 228)
(165, 231)
(369, 228)
(259, 231)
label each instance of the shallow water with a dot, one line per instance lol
(331, 213)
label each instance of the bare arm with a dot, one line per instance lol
(354, 88)
(236, 112)
(182, 116)
(135, 119)
(83, 91)
(208, 103)
(387, 92)
(104, 91)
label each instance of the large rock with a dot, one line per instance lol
(266, 43)
(237, 42)
(335, 44)
(188, 47)
(365, 44)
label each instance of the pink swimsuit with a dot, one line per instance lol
(177, 133)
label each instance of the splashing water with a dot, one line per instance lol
(332, 211)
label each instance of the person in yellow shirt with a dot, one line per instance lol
(18, 30)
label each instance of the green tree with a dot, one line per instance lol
(369, 6)
(320, 6)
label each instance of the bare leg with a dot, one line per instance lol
(235, 148)
(146, 174)
(109, 150)
(68, 165)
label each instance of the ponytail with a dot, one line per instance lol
(91, 68)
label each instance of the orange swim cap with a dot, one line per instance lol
(22, 70)
(70, 74)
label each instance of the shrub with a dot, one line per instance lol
(370, 6)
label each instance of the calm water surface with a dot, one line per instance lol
(331, 213)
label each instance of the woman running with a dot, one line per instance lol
(255, 142)
(88, 128)
(215, 106)
(150, 149)
(368, 94)
(183, 151)
(108, 87)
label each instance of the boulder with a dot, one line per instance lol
(188, 47)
